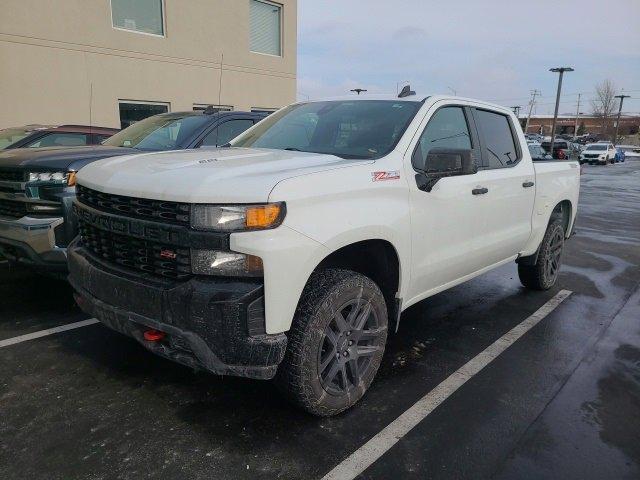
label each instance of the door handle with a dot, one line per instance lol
(480, 191)
(528, 184)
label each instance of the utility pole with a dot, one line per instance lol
(516, 110)
(621, 97)
(534, 94)
(359, 90)
(575, 129)
(561, 71)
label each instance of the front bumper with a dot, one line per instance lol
(32, 242)
(211, 324)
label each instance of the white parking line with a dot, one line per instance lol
(361, 459)
(48, 331)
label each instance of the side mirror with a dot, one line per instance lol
(444, 162)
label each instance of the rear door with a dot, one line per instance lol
(508, 176)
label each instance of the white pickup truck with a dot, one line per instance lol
(291, 252)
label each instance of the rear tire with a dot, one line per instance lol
(336, 342)
(544, 273)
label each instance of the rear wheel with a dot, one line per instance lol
(336, 343)
(544, 273)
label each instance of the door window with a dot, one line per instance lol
(500, 148)
(226, 132)
(447, 128)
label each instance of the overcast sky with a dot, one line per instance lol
(494, 50)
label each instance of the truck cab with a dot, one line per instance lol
(292, 252)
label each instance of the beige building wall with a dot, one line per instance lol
(61, 61)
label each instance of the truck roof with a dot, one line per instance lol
(411, 98)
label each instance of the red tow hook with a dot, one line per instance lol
(153, 335)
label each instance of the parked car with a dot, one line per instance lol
(561, 150)
(538, 153)
(37, 184)
(631, 151)
(598, 154)
(620, 155)
(36, 136)
(292, 253)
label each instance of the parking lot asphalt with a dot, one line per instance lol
(562, 402)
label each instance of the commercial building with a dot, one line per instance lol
(113, 62)
(566, 124)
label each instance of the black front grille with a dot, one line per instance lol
(12, 176)
(142, 255)
(156, 210)
(590, 155)
(9, 208)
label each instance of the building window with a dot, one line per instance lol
(132, 112)
(143, 16)
(265, 27)
(200, 107)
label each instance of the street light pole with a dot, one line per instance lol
(621, 97)
(561, 71)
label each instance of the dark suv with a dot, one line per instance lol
(37, 185)
(37, 136)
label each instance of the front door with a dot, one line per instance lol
(444, 221)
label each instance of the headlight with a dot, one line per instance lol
(236, 218)
(53, 177)
(230, 264)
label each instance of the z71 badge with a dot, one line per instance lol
(390, 175)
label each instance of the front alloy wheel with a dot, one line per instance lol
(351, 340)
(336, 342)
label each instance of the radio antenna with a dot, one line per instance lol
(91, 107)
(220, 84)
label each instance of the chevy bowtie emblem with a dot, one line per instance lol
(168, 254)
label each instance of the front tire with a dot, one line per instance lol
(336, 342)
(544, 273)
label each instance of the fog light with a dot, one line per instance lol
(232, 264)
(43, 208)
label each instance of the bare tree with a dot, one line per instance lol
(604, 104)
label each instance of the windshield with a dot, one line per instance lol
(160, 132)
(596, 147)
(11, 136)
(358, 129)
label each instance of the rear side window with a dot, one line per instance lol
(446, 129)
(499, 146)
(61, 140)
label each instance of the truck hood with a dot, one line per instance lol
(220, 175)
(58, 158)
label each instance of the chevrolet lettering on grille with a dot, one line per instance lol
(125, 226)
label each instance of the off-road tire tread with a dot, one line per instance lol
(532, 276)
(289, 378)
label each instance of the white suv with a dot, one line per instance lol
(598, 153)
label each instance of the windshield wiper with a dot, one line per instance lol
(293, 149)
